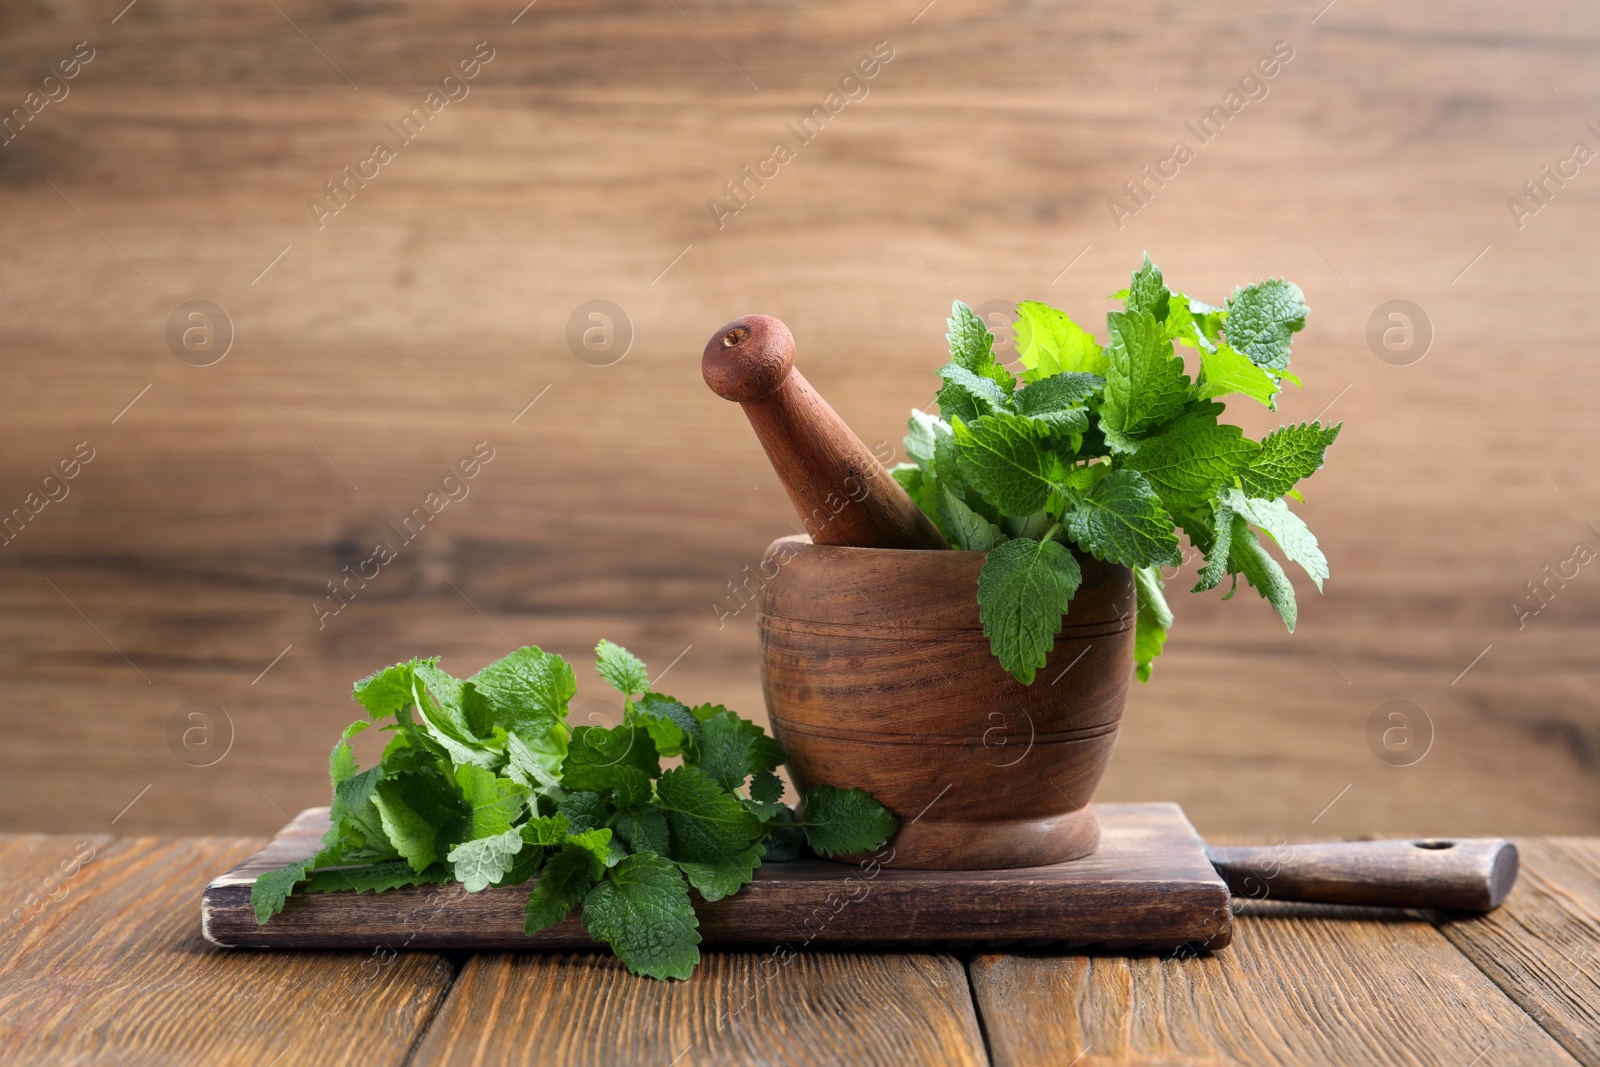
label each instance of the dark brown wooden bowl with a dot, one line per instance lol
(878, 674)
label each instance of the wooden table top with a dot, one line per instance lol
(107, 965)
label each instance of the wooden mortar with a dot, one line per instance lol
(876, 669)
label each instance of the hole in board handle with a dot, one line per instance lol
(1434, 845)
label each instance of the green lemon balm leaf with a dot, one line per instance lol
(1049, 343)
(706, 823)
(1298, 543)
(1263, 318)
(1121, 520)
(1023, 593)
(621, 669)
(486, 860)
(272, 888)
(1003, 458)
(1151, 622)
(724, 876)
(596, 754)
(672, 726)
(845, 821)
(1145, 385)
(1247, 556)
(1147, 293)
(564, 881)
(1287, 455)
(1191, 460)
(641, 909)
(1225, 370)
(528, 691)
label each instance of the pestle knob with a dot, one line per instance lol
(841, 490)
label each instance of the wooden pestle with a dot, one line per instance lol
(843, 493)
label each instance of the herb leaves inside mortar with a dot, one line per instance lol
(491, 787)
(1112, 450)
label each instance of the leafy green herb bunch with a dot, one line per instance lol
(1110, 451)
(485, 784)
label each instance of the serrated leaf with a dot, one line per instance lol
(1191, 460)
(1218, 560)
(1298, 543)
(727, 750)
(1002, 457)
(1023, 593)
(964, 527)
(1151, 622)
(496, 802)
(1194, 323)
(1287, 455)
(1121, 520)
(384, 692)
(1262, 319)
(1050, 343)
(705, 822)
(845, 821)
(411, 834)
(529, 690)
(1145, 385)
(971, 343)
(480, 862)
(272, 889)
(1058, 393)
(1225, 370)
(1247, 556)
(988, 395)
(537, 764)
(596, 753)
(766, 787)
(724, 876)
(546, 830)
(342, 760)
(672, 726)
(564, 881)
(1147, 292)
(375, 877)
(584, 810)
(630, 788)
(643, 830)
(596, 844)
(621, 669)
(642, 910)
(922, 441)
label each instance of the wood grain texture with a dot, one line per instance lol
(115, 971)
(1543, 947)
(841, 490)
(1300, 984)
(1453, 874)
(737, 1009)
(878, 675)
(207, 528)
(1149, 887)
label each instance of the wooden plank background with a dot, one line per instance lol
(374, 353)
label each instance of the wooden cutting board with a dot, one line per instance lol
(1149, 886)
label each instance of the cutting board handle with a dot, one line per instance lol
(840, 488)
(1450, 874)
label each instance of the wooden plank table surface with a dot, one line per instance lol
(102, 962)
